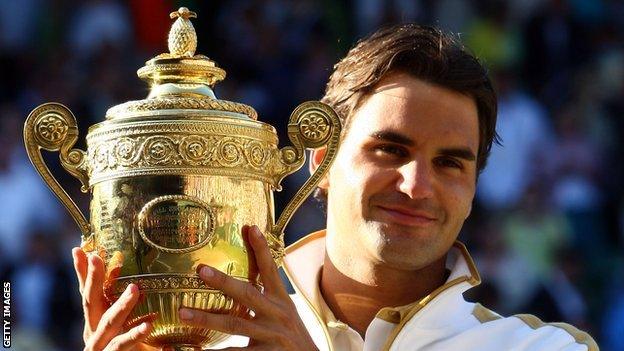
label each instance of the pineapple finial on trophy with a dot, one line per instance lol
(181, 71)
(182, 37)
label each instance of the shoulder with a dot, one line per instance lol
(531, 332)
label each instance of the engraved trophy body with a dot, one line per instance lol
(173, 179)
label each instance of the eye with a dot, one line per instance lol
(448, 162)
(389, 149)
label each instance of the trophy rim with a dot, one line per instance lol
(182, 115)
(179, 104)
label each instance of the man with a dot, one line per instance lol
(419, 117)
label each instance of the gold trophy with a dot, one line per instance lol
(173, 179)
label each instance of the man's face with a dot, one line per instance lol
(404, 179)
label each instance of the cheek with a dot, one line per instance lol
(375, 180)
(458, 198)
(339, 180)
(354, 179)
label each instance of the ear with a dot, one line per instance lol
(316, 157)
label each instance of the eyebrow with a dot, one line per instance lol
(391, 136)
(463, 153)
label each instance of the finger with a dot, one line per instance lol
(253, 265)
(242, 292)
(224, 323)
(130, 339)
(93, 300)
(80, 266)
(113, 319)
(266, 265)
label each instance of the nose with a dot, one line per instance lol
(415, 180)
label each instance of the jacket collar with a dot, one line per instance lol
(304, 259)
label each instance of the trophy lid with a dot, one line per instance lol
(181, 80)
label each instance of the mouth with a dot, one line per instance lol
(408, 217)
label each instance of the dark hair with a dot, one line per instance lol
(425, 53)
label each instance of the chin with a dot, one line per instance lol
(416, 236)
(402, 260)
(403, 247)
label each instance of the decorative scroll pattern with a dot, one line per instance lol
(160, 282)
(175, 153)
(51, 129)
(315, 127)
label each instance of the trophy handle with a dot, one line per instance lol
(53, 127)
(312, 125)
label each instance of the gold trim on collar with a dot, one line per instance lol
(304, 240)
(396, 314)
(407, 312)
(399, 315)
(317, 315)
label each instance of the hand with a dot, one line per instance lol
(276, 324)
(103, 325)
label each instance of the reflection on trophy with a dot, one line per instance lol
(173, 178)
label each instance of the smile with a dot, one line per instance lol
(406, 217)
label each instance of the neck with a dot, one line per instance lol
(355, 299)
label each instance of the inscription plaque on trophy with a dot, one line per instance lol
(176, 223)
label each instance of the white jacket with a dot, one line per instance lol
(441, 321)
